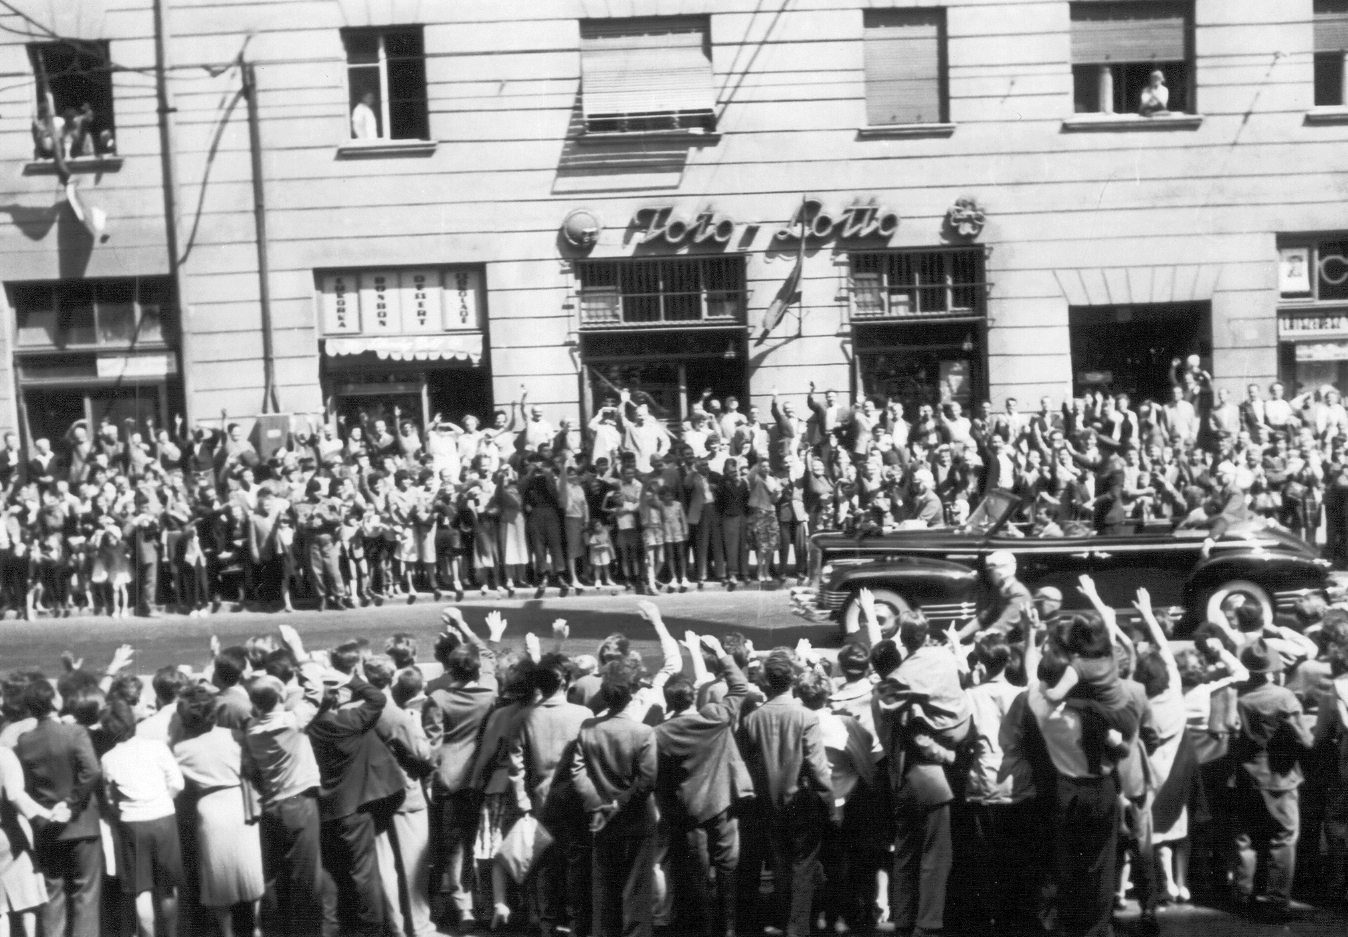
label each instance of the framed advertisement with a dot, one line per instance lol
(1294, 271)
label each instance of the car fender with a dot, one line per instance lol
(920, 580)
(1274, 570)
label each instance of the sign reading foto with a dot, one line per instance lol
(423, 301)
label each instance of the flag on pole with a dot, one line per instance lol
(790, 289)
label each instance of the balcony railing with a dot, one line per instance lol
(606, 308)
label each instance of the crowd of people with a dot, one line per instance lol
(1019, 783)
(126, 521)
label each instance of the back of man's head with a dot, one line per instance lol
(39, 698)
(265, 692)
(885, 658)
(992, 651)
(281, 664)
(464, 664)
(615, 647)
(552, 674)
(913, 630)
(345, 657)
(813, 688)
(1249, 617)
(168, 683)
(618, 683)
(379, 670)
(230, 665)
(779, 673)
(444, 646)
(407, 685)
(679, 694)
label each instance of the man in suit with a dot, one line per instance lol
(233, 708)
(1253, 418)
(545, 740)
(613, 768)
(62, 774)
(453, 716)
(825, 421)
(700, 779)
(361, 787)
(704, 520)
(783, 747)
(732, 504)
(543, 505)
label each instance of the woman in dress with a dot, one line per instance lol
(479, 501)
(229, 853)
(22, 888)
(514, 537)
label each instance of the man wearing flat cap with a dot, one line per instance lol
(1264, 804)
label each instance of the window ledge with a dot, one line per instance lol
(368, 149)
(905, 130)
(1337, 114)
(628, 136)
(1124, 123)
(47, 167)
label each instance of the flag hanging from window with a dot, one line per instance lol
(790, 290)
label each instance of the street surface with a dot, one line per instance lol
(764, 617)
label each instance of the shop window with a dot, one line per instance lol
(1117, 47)
(1331, 45)
(617, 294)
(119, 313)
(386, 79)
(902, 285)
(79, 77)
(905, 67)
(647, 74)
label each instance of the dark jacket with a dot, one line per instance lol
(453, 718)
(59, 766)
(355, 765)
(701, 771)
(615, 763)
(784, 749)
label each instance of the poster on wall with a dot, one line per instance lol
(424, 301)
(1294, 271)
(955, 381)
(341, 304)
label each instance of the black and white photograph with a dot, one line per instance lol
(673, 468)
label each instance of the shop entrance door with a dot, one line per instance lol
(1128, 349)
(668, 370)
(363, 404)
(51, 412)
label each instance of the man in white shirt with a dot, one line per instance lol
(1179, 417)
(364, 124)
(1277, 411)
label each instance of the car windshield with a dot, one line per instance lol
(990, 512)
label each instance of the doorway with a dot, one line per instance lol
(1128, 349)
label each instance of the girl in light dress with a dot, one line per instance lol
(112, 565)
(284, 532)
(652, 531)
(600, 542)
(674, 521)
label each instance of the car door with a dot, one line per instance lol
(1057, 562)
(1157, 562)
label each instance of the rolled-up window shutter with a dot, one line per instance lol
(1331, 25)
(645, 66)
(1129, 32)
(903, 66)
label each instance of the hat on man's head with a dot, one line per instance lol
(1048, 594)
(1258, 657)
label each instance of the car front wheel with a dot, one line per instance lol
(1227, 597)
(889, 605)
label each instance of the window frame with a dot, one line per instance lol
(1088, 74)
(656, 121)
(105, 117)
(882, 306)
(869, 23)
(58, 297)
(381, 67)
(609, 305)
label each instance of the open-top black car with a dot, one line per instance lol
(940, 571)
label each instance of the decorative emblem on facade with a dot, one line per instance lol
(965, 218)
(581, 228)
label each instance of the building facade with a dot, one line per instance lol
(966, 199)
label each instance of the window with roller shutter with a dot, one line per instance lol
(1331, 47)
(647, 74)
(1117, 44)
(905, 67)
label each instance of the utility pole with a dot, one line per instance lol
(169, 171)
(269, 398)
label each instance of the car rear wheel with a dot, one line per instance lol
(889, 605)
(1230, 595)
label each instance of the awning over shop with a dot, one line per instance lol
(411, 347)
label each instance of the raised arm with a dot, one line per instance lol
(669, 647)
(1143, 605)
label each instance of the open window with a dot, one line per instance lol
(386, 79)
(1118, 48)
(79, 77)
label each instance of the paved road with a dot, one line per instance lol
(175, 639)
